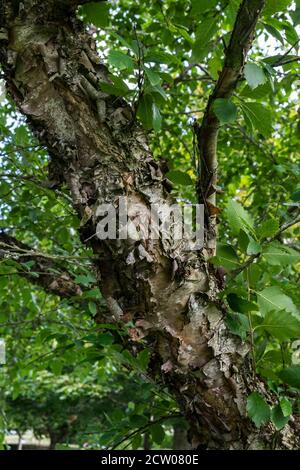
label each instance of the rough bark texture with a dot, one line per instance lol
(52, 72)
(207, 134)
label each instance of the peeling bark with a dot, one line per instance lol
(52, 72)
(207, 134)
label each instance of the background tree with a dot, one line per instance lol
(228, 356)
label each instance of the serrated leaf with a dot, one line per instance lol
(281, 324)
(254, 75)
(267, 229)
(226, 257)
(238, 324)
(260, 92)
(258, 117)
(277, 254)
(272, 298)
(291, 376)
(238, 304)
(286, 407)
(120, 60)
(153, 77)
(225, 110)
(238, 218)
(257, 409)
(277, 417)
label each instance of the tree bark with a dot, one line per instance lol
(180, 438)
(52, 72)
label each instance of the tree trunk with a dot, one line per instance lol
(180, 438)
(52, 73)
(53, 442)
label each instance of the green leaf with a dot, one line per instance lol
(254, 75)
(238, 324)
(257, 116)
(200, 6)
(238, 219)
(243, 240)
(143, 358)
(153, 77)
(159, 57)
(286, 407)
(145, 111)
(273, 6)
(120, 60)
(274, 32)
(138, 420)
(281, 324)
(291, 376)
(238, 304)
(180, 30)
(254, 247)
(118, 87)
(92, 308)
(226, 257)
(277, 254)
(296, 195)
(257, 409)
(277, 417)
(178, 177)
(204, 33)
(85, 280)
(225, 110)
(96, 13)
(267, 229)
(260, 92)
(272, 298)
(157, 433)
(156, 116)
(105, 339)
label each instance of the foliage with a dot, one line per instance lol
(165, 62)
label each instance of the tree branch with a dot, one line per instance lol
(207, 134)
(46, 273)
(252, 258)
